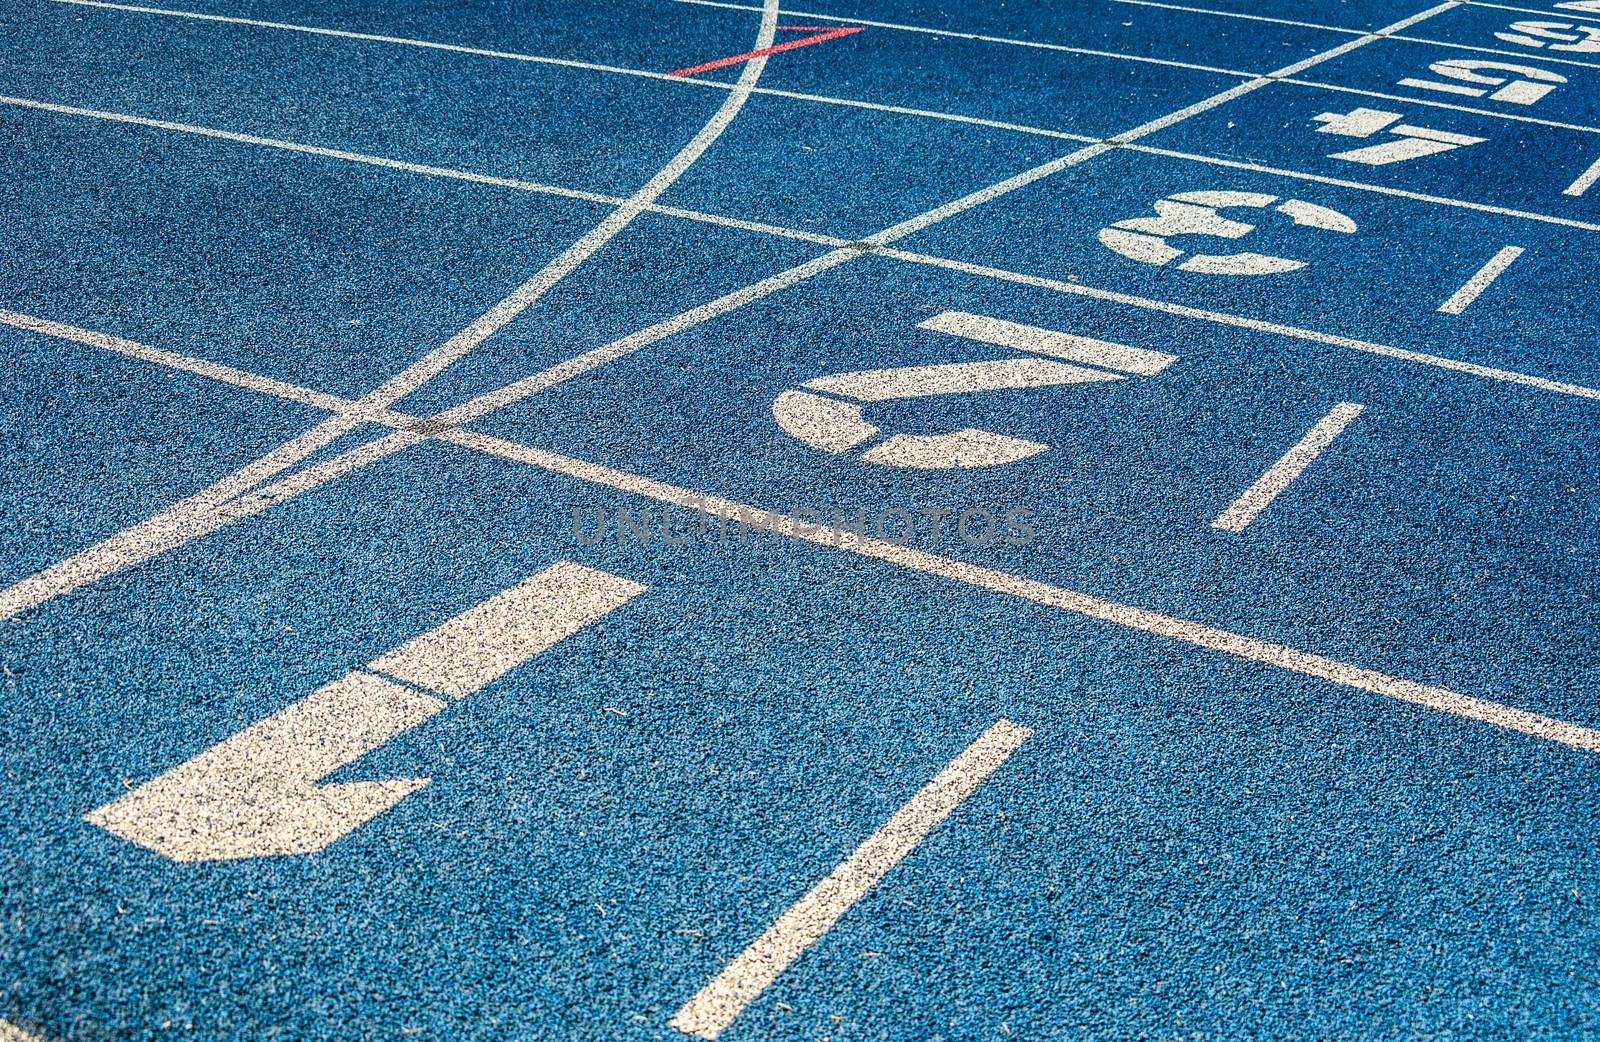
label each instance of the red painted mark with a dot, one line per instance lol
(824, 33)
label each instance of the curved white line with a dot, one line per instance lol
(215, 506)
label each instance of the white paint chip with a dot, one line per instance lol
(720, 1002)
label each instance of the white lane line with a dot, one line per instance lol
(402, 41)
(424, 169)
(257, 794)
(1200, 635)
(173, 360)
(539, 381)
(193, 518)
(719, 1003)
(1253, 500)
(1585, 180)
(1474, 287)
(1196, 634)
(756, 226)
(596, 67)
(1246, 17)
(210, 509)
(524, 296)
(1543, 56)
(950, 34)
(825, 99)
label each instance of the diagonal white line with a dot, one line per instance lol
(597, 67)
(1247, 17)
(850, 102)
(1270, 485)
(505, 395)
(415, 430)
(720, 1002)
(771, 229)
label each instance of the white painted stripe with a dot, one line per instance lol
(720, 1002)
(824, 99)
(565, 370)
(425, 169)
(598, 67)
(1253, 500)
(1245, 17)
(1585, 180)
(436, 171)
(756, 226)
(173, 360)
(498, 635)
(259, 793)
(953, 35)
(10, 1032)
(1052, 342)
(1461, 298)
(1198, 634)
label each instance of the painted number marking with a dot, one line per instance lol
(1474, 79)
(258, 793)
(1144, 239)
(1408, 142)
(829, 413)
(1558, 36)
